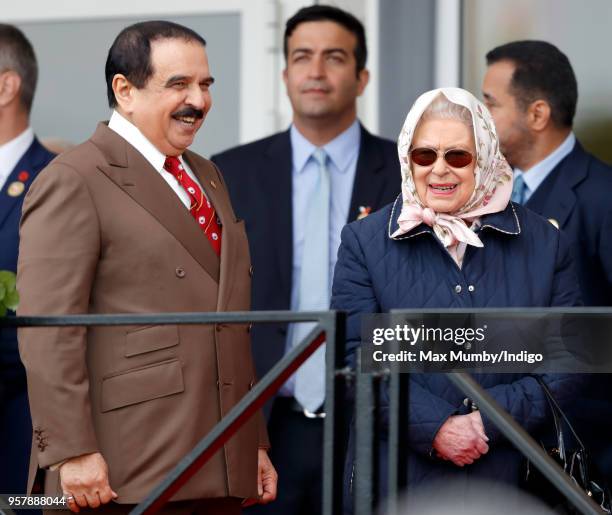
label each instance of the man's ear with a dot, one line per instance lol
(538, 115)
(10, 86)
(124, 92)
(363, 78)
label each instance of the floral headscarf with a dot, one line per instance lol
(493, 175)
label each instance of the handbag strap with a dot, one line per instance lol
(558, 414)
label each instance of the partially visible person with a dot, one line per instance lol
(296, 190)
(21, 158)
(453, 239)
(531, 90)
(131, 221)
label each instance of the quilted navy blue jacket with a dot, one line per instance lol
(525, 262)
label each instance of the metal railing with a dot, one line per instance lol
(330, 327)
(367, 404)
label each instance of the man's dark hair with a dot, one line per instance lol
(329, 13)
(130, 53)
(17, 54)
(542, 71)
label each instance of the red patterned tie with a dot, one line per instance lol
(201, 208)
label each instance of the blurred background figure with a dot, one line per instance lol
(531, 90)
(296, 190)
(21, 158)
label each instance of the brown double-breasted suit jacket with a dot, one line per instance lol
(102, 232)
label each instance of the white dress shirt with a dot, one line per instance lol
(130, 133)
(12, 152)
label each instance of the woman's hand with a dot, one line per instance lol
(461, 439)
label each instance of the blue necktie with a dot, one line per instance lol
(519, 189)
(314, 288)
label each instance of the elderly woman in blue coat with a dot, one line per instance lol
(453, 239)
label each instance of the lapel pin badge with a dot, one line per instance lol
(15, 188)
(554, 222)
(363, 212)
(23, 176)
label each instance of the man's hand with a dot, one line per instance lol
(266, 480)
(461, 439)
(85, 479)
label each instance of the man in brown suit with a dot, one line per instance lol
(132, 222)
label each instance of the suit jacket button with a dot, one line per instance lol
(249, 328)
(251, 270)
(180, 272)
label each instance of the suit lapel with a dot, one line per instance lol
(276, 177)
(29, 162)
(555, 197)
(131, 172)
(215, 191)
(369, 183)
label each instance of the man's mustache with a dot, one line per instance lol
(315, 84)
(189, 112)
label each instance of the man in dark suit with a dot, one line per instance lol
(295, 190)
(531, 90)
(21, 158)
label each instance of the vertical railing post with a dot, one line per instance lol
(364, 439)
(334, 436)
(398, 436)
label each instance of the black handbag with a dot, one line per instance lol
(572, 456)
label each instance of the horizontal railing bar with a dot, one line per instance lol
(504, 311)
(524, 443)
(235, 317)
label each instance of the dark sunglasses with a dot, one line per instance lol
(455, 157)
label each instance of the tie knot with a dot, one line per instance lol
(519, 188)
(173, 165)
(518, 180)
(320, 156)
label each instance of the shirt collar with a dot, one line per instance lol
(12, 151)
(342, 150)
(537, 173)
(130, 133)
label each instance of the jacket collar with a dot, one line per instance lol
(370, 182)
(131, 172)
(32, 161)
(505, 222)
(555, 197)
